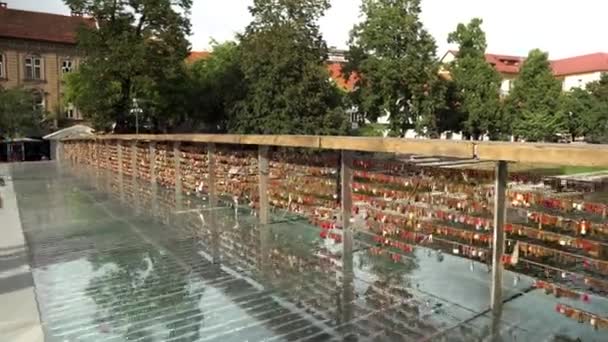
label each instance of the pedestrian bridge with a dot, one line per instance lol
(300, 238)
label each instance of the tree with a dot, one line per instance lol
(136, 51)
(395, 58)
(477, 82)
(533, 106)
(217, 85)
(580, 108)
(596, 121)
(288, 88)
(18, 114)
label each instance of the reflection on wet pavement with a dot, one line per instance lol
(117, 260)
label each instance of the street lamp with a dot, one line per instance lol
(135, 109)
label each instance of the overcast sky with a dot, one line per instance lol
(562, 27)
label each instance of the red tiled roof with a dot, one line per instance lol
(194, 56)
(561, 67)
(505, 64)
(335, 71)
(581, 64)
(40, 26)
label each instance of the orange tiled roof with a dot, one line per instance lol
(194, 56)
(335, 71)
(41, 26)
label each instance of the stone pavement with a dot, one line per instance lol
(19, 316)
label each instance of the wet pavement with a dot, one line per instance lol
(115, 259)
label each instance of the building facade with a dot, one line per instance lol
(573, 72)
(37, 50)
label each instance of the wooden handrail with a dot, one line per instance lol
(553, 154)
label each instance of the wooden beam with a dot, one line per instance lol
(550, 154)
(555, 154)
(263, 184)
(396, 145)
(498, 241)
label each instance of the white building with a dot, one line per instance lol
(581, 70)
(574, 72)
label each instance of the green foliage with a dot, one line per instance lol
(596, 122)
(395, 57)
(283, 57)
(95, 95)
(217, 86)
(137, 51)
(371, 130)
(477, 82)
(450, 117)
(533, 106)
(471, 39)
(18, 115)
(581, 110)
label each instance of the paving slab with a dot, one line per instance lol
(19, 316)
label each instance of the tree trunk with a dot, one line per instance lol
(122, 108)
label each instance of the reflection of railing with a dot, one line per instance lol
(403, 205)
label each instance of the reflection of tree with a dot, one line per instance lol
(140, 291)
(390, 273)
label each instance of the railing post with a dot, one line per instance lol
(499, 236)
(263, 183)
(152, 158)
(177, 164)
(95, 164)
(134, 176)
(211, 173)
(120, 171)
(213, 226)
(346, 178)
(154, 186)
(107, 172)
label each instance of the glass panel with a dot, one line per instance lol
(29, 72)
(37, 73)
(121, 254)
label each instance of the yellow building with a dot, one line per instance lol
(36, 51)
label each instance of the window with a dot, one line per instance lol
(2, 64)
(33, 68)
(70, 111)
(66, 66)
(39, 102)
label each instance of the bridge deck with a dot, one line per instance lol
(109, 268)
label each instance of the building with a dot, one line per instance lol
(194, 56)
(336, 60)
(580, 70)
(574, 72)
(36, 51)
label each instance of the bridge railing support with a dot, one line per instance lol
(177, 164)
(263, 172)
(498, 241)
(346, 207)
